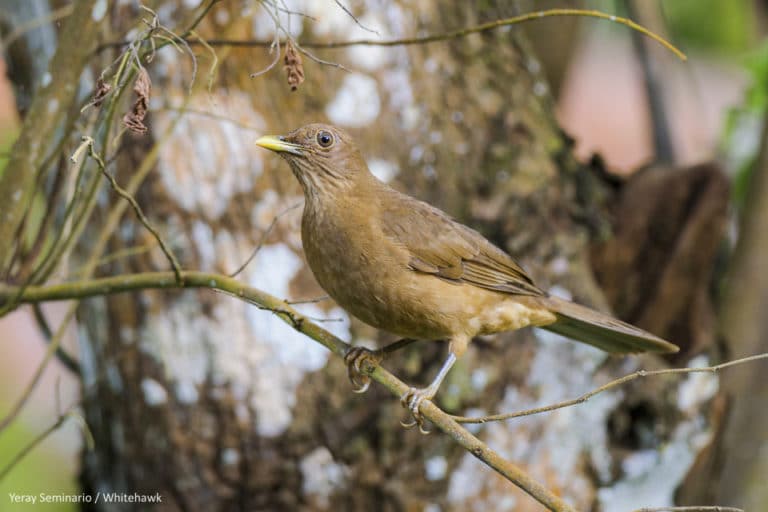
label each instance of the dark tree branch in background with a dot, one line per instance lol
(664, 150)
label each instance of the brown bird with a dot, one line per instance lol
(403, 266)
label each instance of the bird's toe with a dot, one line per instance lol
(355, 358)
(412, 400)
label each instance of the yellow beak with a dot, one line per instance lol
(278, 145)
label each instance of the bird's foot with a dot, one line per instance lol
(357, 359)
(412, 400)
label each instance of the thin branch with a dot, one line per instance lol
(71, 413)
(136, 208)
(455, 34)
(275, 44)
(714, 508)
(349, 13)
(214, 60)
(307, 301)
(49, 353)
(69, 362)
(263, 239)
(118, 255)
(614, 383)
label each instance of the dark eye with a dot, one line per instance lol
(325, 139)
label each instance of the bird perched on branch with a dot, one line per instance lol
(403, 266)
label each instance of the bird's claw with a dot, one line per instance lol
(354, 359)
(412, 400)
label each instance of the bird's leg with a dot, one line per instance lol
(357, 356)
(413, 398)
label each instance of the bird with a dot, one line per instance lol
(406, 267)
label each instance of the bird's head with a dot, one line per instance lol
(322, 157)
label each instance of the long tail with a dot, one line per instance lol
(602, 331)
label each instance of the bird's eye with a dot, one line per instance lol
(325, 139)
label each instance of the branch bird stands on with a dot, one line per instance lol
(403, 266)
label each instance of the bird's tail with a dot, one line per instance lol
(602, 331)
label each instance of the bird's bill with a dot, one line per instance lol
(278, 145)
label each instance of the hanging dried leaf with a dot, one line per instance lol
(102, 90)
(134, 120)
(294, 69)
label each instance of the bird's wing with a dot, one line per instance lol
(440, 246)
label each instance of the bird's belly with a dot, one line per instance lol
(379, 294)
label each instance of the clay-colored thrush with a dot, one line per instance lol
(401, 265)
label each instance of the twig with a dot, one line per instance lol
(30, 387)
(69, 362)
(263, 239)
(275, 45)
(307, 301)
(136, 208)
(118, 255)
(71, 413)
(614, 383)
(214, 58)
(455, 34)
(349, 13)
(714, 508)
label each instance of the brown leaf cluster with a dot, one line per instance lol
(134, 120)
(294, 69)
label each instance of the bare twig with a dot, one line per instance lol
(71, 413)
(349, 13)
(69, 362)
(214, 59)
(614, 383)
(49, 353)
(136, 208)
(714, 508)
(307, 301)
(263, 238)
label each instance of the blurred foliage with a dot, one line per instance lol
(713, 25)
(743, 127)
(41, 471)
(719, 26)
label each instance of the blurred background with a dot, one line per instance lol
(624, 103)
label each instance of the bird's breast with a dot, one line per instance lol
(367, 274)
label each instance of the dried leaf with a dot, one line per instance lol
(294, 69)
(102, 90)
(134, 120)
